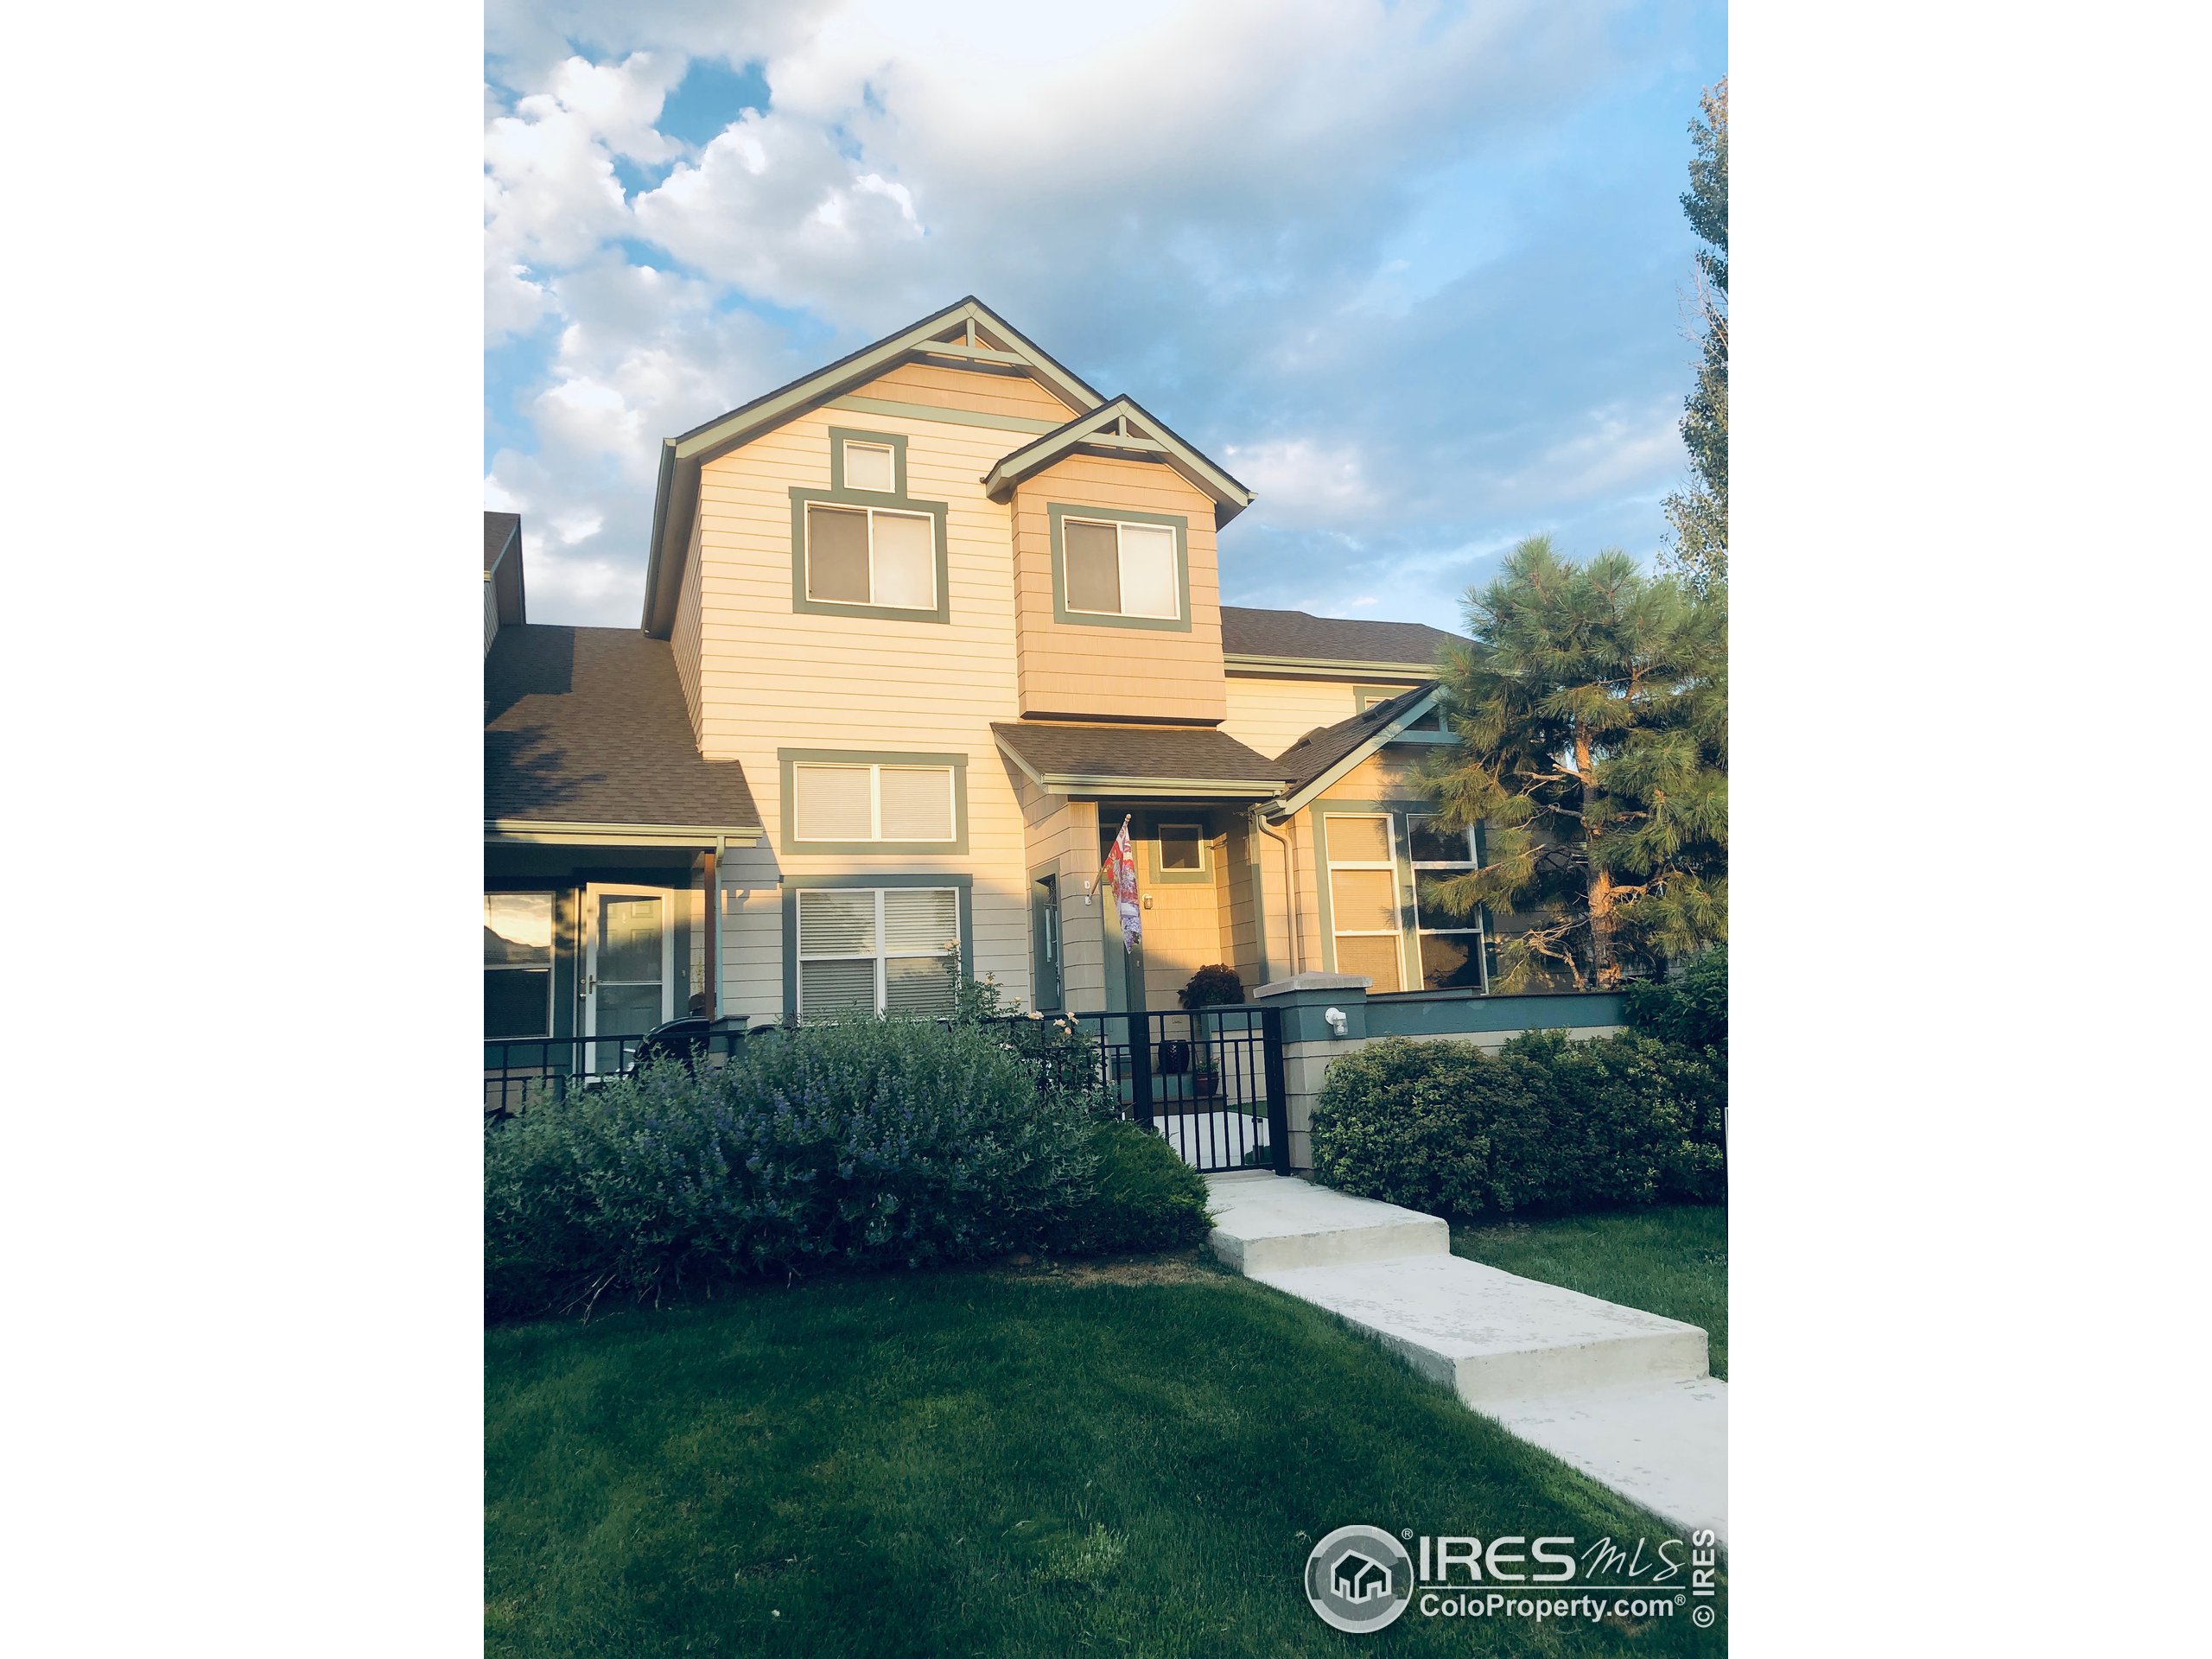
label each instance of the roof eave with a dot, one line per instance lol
(683, 456)
(1296, 800)
(1334, 664)
(561, 832)
(1229, 497)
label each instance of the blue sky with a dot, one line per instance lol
(1414, 272)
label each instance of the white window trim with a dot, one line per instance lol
(875, 769)
(552, 952)
(872, 512)
(1120, 568)
(1470, 863)
(1336, 929)
(882, 955)
(890, 462)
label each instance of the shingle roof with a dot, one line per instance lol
(1246, 633)
(589, 726)
(1137, 753)
(498, 526)
(1316, 751)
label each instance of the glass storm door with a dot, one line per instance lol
(629, 967)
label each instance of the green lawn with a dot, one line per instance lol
(1132, 1460)
(1672, 1259)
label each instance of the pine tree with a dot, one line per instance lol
(1699, 515)
(1590, 712)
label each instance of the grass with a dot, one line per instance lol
(1672, 1259)
(1129, 1460)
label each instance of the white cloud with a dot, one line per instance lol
(774, 206)
(1253, 213)
(1301, 483)
(1615, 450)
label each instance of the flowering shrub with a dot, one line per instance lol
(869, 1143)
(1542, 1125)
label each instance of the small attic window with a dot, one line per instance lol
(869, 466)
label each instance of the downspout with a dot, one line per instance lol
(1289, 889)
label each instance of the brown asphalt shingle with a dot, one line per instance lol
(589, 726)
(1246, 633)
(1316, 751)
(1136, 752)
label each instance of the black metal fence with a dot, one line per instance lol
(521, 1071)
(1210, 1082)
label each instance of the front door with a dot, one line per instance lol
(629, 967)
(1044, 942)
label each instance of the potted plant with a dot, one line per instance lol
(1214, 986)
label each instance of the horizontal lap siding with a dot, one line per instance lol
(949, 388)
(1270, 715)
(771, 678)
(1128, 673)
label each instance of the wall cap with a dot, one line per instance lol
(1315, 981)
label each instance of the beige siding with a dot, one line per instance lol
(1065, 835)
(1270, 713)
(951, 388)
(491, 614)
(1103, 670)
(1386, 775)
(1182, 933)
(1239, 913)
(684, 641)
(770, 677)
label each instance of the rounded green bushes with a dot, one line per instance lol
(871, 1143)
(1542, 1125)
(1142, 1197)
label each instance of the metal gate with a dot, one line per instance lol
(1210, 1082)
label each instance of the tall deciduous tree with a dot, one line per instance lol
(1590, 713)
(1699, 515)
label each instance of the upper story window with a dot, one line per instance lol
(871, 555)
(1120, 569)
(864, 547)
(870, 466)
(848, 802)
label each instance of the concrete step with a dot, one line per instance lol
(1488, 1335)
(1265, 1224)
(1662, 1445)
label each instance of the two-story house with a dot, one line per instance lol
(921, 630)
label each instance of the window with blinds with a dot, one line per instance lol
(859, 801)
(1363, 898)
(871, 555)
(868, 950)
(1121, 569)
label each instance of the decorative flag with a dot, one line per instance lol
(1120, 872)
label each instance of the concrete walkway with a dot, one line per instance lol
(1622, 1394)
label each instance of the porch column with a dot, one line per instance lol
(1310, 1042)
(713, 972)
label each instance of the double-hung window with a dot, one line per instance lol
(1114, 568)
(1452, 953)
(884, 557)
(866, 950)
(1364, 907)
(518, 964)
